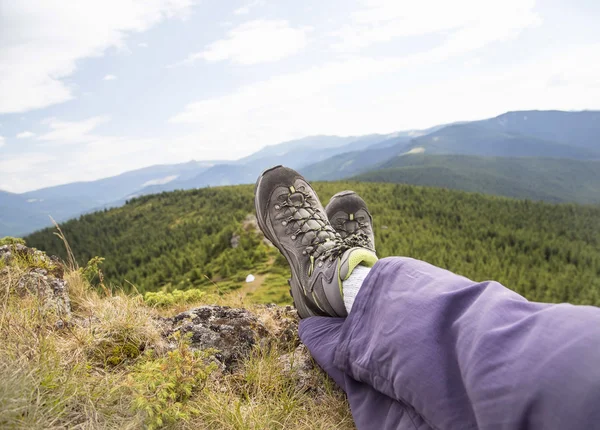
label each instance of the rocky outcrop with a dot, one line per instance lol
(42, 277)
(52, 291)
(233, 332)
(300, 366)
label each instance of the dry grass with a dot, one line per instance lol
(261, 396)
(44, 383)
(84, 373)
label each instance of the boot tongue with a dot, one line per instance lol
(352, 258)
(296, 199)
(351, 227)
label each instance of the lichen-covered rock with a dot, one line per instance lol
(40, 276)
(52, 291)
(299, 365)
(31, 258)
(282, 322)
(232, 332)
(5, 253)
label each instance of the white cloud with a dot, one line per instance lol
(259, 41)
(1, 141)
(109, 78)
(469, 23)
(66, 132)
(245, 10)
(363, 95)
(17, 171)
(36, 52)
(142, 45)
(91, 155)
(341, 96)
(25, 135)
(469, 26)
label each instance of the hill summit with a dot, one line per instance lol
(72, 356)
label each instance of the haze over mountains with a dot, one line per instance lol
(545, 155)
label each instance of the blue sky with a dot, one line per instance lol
(91, 89)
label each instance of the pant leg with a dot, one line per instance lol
(371, 409)
(469, 355)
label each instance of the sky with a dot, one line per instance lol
(91, 89)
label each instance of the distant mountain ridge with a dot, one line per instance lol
(548, 134)
(549, 179)
(514, 134)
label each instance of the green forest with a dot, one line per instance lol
(183, 239)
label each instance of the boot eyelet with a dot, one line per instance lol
(303, 252)
(293, 237)
(277, 207)
(320, 264)
(284, 223)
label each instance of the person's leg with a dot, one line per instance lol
(469, 355)
(370, 408)
(462, 354)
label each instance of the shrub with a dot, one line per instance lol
(163, 386)
(11, 241)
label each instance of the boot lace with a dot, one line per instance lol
(357, 238)
(305, 218)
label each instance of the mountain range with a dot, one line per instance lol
(545, 155)
(551, 179)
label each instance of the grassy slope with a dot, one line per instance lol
(549, 179)
(104, 367)
(171, 241)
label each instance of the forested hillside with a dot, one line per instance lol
(549, 179)
(181, 239)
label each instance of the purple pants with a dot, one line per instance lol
(424, 348)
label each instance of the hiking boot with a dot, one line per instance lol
(292, 218)
(348, 214)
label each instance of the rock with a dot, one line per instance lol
(235, 240)
(32, 257)
(52, 291)
(250, 223)
(6, 253)
(40, 276)
(282, 323)
(300, 366)
(233, 332)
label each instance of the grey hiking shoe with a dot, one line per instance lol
(292, 218)
(349, 216)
